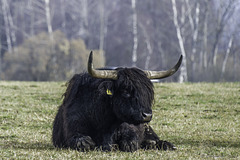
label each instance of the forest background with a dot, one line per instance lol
(50, 40)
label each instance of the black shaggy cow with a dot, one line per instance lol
(109, 109)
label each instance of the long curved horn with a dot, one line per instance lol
(108, 74)
(163, 74)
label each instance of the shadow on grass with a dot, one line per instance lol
(29, 145)
(209, 143)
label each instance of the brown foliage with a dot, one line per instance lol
(40, 59)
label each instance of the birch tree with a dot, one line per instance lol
(204, 54)
(102, 25)
(224, 14)
(135, 32)
(48, 19)
(0, 52)
(183, 77)
(148, 45)
(32, 17)
(63, 12)
(226, 56)
(7, 25)
(194, 24)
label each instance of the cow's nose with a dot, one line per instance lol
(147, 117)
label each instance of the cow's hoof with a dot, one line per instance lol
(85, 143)
(108, 147)
(164, 145)
(149, 144)
(128, 146)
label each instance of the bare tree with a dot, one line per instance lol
(226, 56)
(102, 25)
(48, 19)
(183, 71)
(83, 30)
(135, 32)
(225, 11)
(148, 45)
(204, 54)
(32, 17)
(194, 24)
(0, 52)
(63, 12)
(5, 10)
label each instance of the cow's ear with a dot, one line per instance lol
(106, 88)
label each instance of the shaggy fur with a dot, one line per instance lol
(90, 118)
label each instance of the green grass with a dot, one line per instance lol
(201, 119)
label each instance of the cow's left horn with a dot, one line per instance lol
(108, 74)
(163, 74)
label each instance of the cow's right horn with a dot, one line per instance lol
(108, 74)
(163, 74)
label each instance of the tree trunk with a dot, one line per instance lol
(63, 15)
(195, 37)
(48, 19)
(84, 28)
(194, 23)
(0, 53)
(11, 26)
(183, 71)
(235, 64)
(226, 56)
(6, 23)
(32, 31)
(222, 21)
(148, 43)
(205, 36)
(102, 26)
(85, 12)
(135, 38)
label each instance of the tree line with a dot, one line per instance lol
(51, 39)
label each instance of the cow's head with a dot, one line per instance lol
(131, 90)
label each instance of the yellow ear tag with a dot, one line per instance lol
(109, 92)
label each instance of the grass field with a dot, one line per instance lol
(201, 119)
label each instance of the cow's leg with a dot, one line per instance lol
(81, 142)
(68, 136)
(128, 137)
(76, 133)
(108, 143)
(151, 140)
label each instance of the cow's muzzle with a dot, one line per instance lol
(147, 117)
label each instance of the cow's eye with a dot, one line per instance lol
(126, 94)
